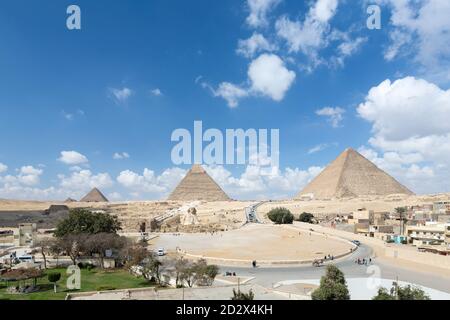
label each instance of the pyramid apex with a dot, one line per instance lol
(95, 195)
(352, 175)
(197, 168)
(197, 185)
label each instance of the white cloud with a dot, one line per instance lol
(256, 43)
(156, 92)
(270, 77)
(121, 155)
(254, 183)
(68, 116)
(115, 196)
(421, 28)
(267, 76)
(26, 185)
(310, 35)
(148, 182)
(3, 167)
(120, 96)
(409, 130)
(259, 10)
(73, 158)
(348, 48)
(8, 191)
(407, 108)
(318, 148)
(84, 180)
(71, 116)
(28, 176)
(231, 93)
(334, 115)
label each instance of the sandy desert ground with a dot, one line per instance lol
(260, 242)
(225, 215)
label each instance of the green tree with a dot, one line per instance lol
(239, 295)
(54, 278)
(152, 269)
(44, 247)
(84, 221)
(71, 245)
(133, 254)
(398, 292)
(281, 216)
(204, 273)
(306, 217)
(383, 294)
(401, 211)
(333, 286)
(99, 243)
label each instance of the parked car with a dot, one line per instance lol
(356, 242)
(160, 252)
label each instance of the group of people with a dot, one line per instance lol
(364, 261)
(230, 274)
(329, 257)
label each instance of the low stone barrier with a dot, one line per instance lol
(384, 249)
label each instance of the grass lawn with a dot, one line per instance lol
(90, 281)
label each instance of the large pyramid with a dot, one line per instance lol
(198, 185)
(94, 196)
(352, 175)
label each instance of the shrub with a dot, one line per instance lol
(105, 288)
(281, 216)
(239, 295)
(401, 293)
(306, 217)
(54, 277)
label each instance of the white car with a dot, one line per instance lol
(160, 252)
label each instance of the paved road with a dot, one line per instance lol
(251, 213)
(269, 276)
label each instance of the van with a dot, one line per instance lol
(26, 258)
(160, 252)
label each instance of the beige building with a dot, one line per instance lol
(447, 235)
(430, 234)
(363, 214)
(25, 235)
(441, 207)
(381, 229)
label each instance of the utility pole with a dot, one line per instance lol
(239, 285)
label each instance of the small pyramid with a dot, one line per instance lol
(69, 200)
(94, 196)
(197, 185)
(352, 175)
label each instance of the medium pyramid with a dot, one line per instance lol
(198, 185)
(352, 175)
(94, 196)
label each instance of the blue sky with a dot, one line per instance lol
(137, 70)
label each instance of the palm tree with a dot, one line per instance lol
(401, 211)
